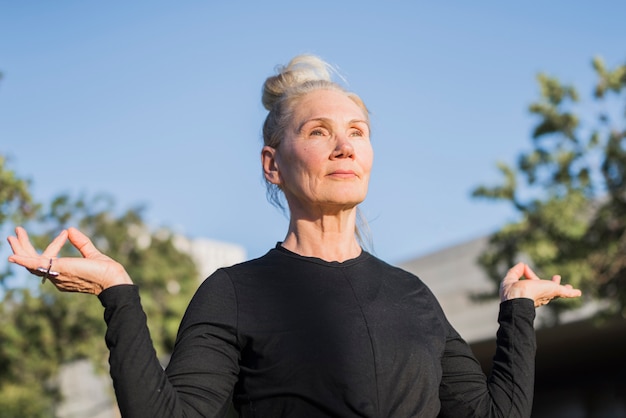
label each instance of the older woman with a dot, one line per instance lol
(316, 327)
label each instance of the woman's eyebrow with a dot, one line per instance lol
(328, 120)
(359, 121)
(323, 120)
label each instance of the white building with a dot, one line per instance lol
(209, 255)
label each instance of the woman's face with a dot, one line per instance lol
(324, 160)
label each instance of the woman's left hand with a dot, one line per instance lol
(540, 291)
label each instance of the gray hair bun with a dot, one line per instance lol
(300, 70)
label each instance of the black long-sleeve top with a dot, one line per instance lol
(291, 336)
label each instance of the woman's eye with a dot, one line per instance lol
(357, 132)
(318, 132)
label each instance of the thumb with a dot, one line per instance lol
(515, 273)
(83, 243)
(512, 276)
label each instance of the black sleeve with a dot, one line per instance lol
(508, 392)
(203, 368)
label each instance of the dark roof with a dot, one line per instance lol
(455, 278)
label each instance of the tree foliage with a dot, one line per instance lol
(41, 328)
(570, 191)
(16, 203)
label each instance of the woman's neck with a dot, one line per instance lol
(331, 238)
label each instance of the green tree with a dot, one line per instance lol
(570, 192)
(19, 395)
(16, 202)
(42, 328)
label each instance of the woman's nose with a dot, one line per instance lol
(343, 147)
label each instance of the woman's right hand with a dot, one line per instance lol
(92, 273)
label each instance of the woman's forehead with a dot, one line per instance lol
(328, 104)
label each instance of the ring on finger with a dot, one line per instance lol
(47, 273)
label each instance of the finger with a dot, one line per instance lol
(556, 279)
(83, 243)
(559, 291)
(22, 244)
(32, 263)
(515, 273)
(15, 245)
(55, 246)
(530, 274)
(569, 292)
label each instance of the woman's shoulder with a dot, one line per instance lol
(229, 275)
(375, 262)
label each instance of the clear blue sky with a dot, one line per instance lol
(158, 102)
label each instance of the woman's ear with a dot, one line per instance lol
(270, 165)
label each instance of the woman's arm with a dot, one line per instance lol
(508, 392)
(203, 368)
(204, 365)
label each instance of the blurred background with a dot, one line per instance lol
(499, 126)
